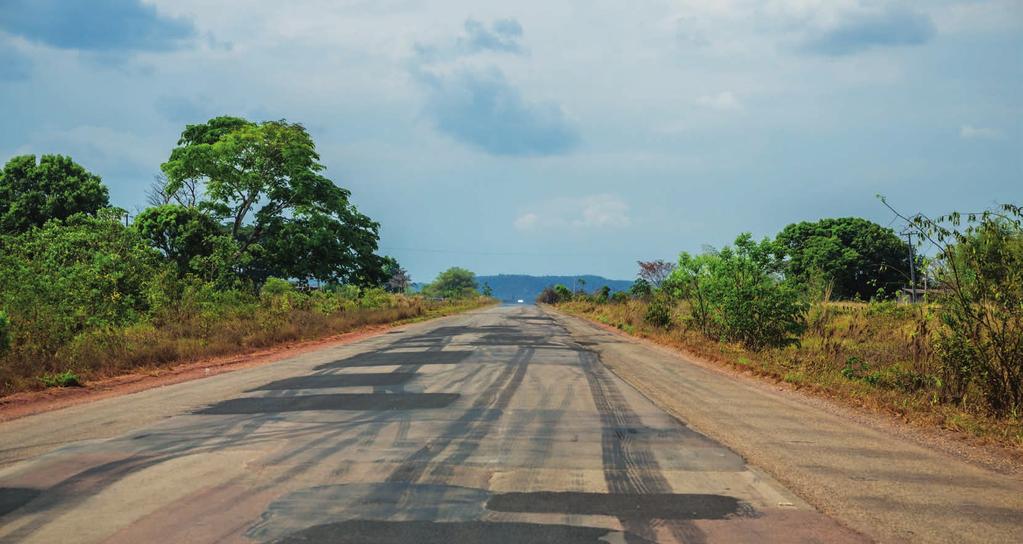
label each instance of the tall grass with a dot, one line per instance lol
(880, 355)
(206, 324)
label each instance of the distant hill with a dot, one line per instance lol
(512, 287)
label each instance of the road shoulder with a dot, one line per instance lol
(877, 482)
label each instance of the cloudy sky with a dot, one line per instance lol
(547, 137)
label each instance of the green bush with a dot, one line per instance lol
(63, 379)
(739, 294)
(855, 368)
(275, 287)
(70, 276)
(5, 332)
(658, 312)
(375, 297)
(555, 294)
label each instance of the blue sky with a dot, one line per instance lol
(541, 137)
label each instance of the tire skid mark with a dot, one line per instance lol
(630, 466)
(490, 402)
(470, 442)
(241, 430)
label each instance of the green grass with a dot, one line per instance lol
(65, 379)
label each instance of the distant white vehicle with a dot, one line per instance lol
(521, 301)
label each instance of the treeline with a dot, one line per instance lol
(817, 304)
(246, 243)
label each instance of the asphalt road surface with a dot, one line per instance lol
(496, 426)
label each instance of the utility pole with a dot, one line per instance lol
(912, 266)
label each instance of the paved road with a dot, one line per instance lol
(495, 426)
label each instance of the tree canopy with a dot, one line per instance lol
(56, 187)
(181, 233)
(858, 256)
(454, 282)
(264, 182)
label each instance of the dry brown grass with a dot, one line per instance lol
(182, 337)
(874, 356)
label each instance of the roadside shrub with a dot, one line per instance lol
(63, 379)
(275, 287)
(739, 294)
(980, 271)
(554, 295)
(547, 296)
(658, 312)
(5, 332)
(563, 292)
(70, 276)
(855, 368)
(375, 297)
(641, 289)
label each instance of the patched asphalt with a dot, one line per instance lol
(496, 426)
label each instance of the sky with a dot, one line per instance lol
(547, 137)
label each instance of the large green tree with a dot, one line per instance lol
(858, 256)
(264, 182)
(55, 187)
(454, 282)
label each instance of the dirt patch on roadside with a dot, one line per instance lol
(28, 403)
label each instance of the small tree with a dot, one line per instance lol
(640, 289)
(738, 293)
(400, 281)
(655, 272)
(980, 273)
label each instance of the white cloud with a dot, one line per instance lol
(970, 132)
(527, 221)
(599, 211)
(603, 211)
(723, 101)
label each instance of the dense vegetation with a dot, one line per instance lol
(795, 308)
(240, 228)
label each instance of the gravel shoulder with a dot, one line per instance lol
(879, 481)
